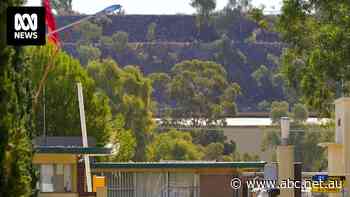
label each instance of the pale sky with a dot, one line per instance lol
(153, 6)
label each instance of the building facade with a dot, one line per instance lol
(62, 174)
(175, 178)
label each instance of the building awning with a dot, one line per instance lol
(76, 150)
(199, 164)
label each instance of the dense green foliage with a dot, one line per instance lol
(88, 53)
(120, 41)
(201, 93)
(61, 100)
(173, 145)
(198, 94)
(117, 101)
(278, 110)
(17, 177)
(89, 31)
(119, 107)
(300, 113)
(317, 60)
(214, 151)
(130, 95)
(125, 140)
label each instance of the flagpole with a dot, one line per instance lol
(108, 10)
(70, 25)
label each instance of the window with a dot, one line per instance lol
(46, 178)
(150, 184)
(143, 184)
(183, 185)
(55, 178)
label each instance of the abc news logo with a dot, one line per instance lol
(25, 26)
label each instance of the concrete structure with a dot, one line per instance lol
(248, 139)
(335, 162)
(339, 152)
(285, 158)
(342, 115)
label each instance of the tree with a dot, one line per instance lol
(271, 140)
(88, 53)
(200, 91)
(317, 60)
(17, 175)
(229, 147)
(204, 9)
(299, 113)
(279, 110)
(63, 7)
(151, 32)
(130, 95)
(233, 11)
(106, 42)
(240, 5)
(173, 145)
(264, 106)
(214, 151)
(61, 101)
(120, 41)
(89, 32)
(205, 137)
(159, 85)
(261, 74)
(248, 157)
(227, 54)
(125, 140)
(238, 157)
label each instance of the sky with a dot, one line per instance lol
(153, 6)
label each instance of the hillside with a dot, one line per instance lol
(177, 38)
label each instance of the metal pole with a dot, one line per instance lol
(107, 10)
(70, 25)
(44, 117)
(84, 136)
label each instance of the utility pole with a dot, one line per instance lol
(84, 136)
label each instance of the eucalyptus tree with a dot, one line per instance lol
(316, 62)
(200, 91)
(17, 176)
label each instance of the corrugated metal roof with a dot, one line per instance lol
(73, 150)
(184, 164)
(62, 141)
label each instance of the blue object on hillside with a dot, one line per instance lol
(112, 8)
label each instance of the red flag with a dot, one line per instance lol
(51, 24)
